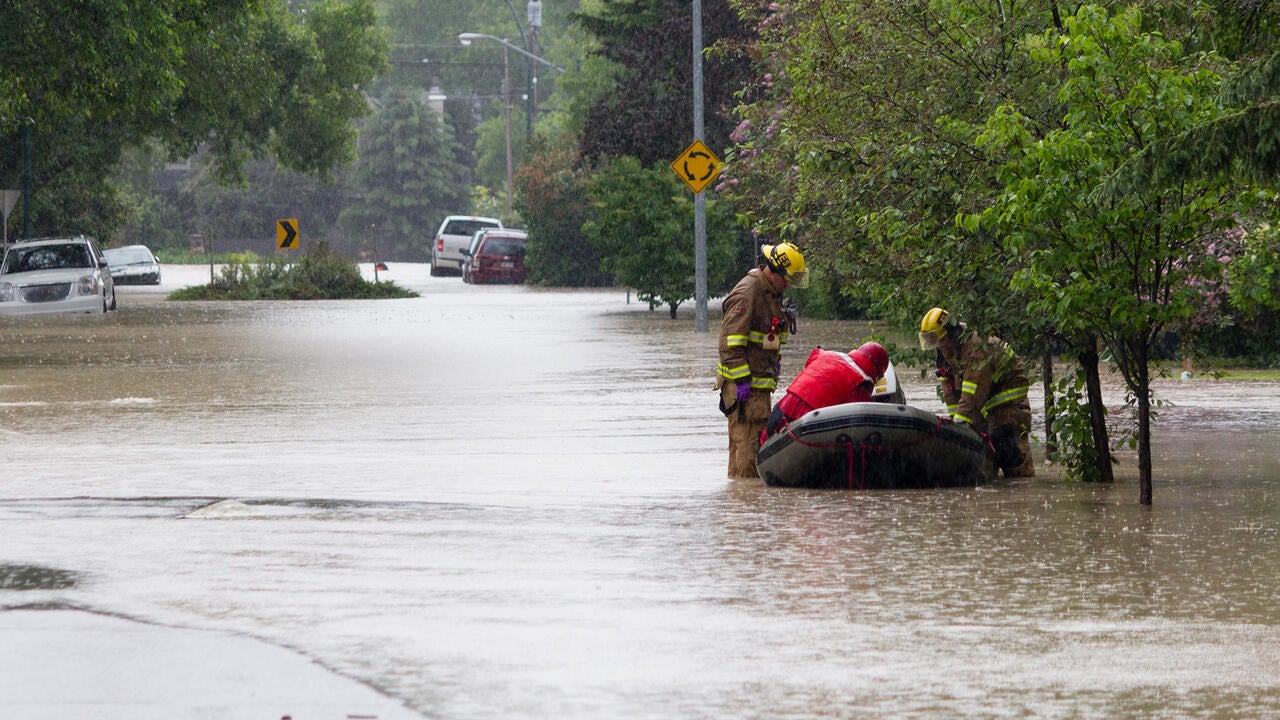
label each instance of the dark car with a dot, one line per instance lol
(133, 265)
(498, 258)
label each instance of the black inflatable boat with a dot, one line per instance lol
(875, 445)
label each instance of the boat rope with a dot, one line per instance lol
(865, 448)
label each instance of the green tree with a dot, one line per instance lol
(642, 224)
(234, 218)
(1239, 144)
(154, 215)
(427, 54)
(1124, 268)
(648, 113)
(855, 141)
(258, 80)
(406, 181)
(552, 197)
(89, 79)
(1254, 274)
(491, 154)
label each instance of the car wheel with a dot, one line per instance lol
(113, 299)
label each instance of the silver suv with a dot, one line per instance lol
(452, 238)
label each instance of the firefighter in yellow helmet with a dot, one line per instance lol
(754, 328)
(983, 383)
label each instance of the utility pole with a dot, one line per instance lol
(699, 201)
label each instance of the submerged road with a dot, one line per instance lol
(498, 502)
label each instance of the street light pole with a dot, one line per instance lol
(467, 39)
(506, 116)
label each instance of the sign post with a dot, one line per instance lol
(8, 198)
(698, 167)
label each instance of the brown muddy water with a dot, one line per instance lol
(510, 503)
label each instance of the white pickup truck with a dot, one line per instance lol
(452, 238)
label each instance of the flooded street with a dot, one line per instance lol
(497, 502)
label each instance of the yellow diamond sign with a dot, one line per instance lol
(697, 166)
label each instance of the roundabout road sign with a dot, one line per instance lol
(697, 166)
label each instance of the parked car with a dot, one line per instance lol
(498, 258)
(56, 275)
(452, 238)
(133, 265)
(475, 243)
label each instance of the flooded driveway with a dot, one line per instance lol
(496, 502)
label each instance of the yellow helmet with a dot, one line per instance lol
(933, 327)
(786, 260)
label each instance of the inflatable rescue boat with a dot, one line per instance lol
(882, 444)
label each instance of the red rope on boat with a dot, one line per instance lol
(848, 446)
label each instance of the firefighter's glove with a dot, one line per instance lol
(1004, 444)
(792, 311)
(744, 391)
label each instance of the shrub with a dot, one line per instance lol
(320, 275)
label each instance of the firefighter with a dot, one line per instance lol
(983, 384)
(754, 328)
(830, 378)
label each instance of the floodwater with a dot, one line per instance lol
(496, 502)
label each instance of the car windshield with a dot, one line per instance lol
(503, 246)
(466, 227)
(47, 257)
(128, 256)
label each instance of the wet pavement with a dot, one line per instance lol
(497, 502)
(75, 664)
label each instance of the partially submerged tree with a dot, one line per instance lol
(1123, 268)
(856, 142)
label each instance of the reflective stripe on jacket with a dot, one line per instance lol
(989, 375)
(752, 310)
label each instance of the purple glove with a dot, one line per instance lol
(744, 391)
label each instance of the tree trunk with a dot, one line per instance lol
(1142, 378)
(1050, 414)
(1097, 411)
